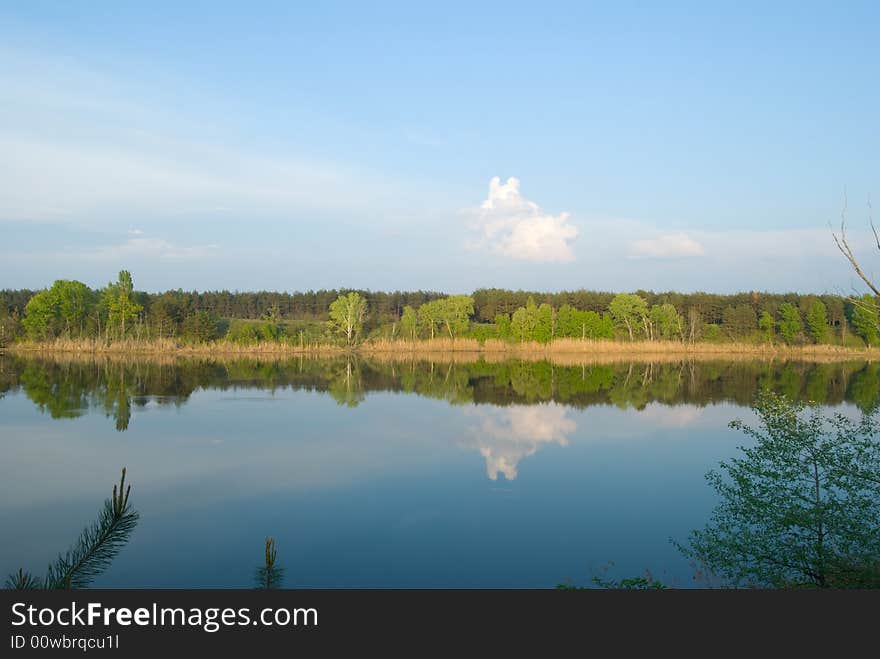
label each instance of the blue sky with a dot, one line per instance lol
(287, 146)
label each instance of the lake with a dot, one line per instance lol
(382, 473)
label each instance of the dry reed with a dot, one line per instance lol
(445, 349)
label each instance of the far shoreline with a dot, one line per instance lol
(444, 349)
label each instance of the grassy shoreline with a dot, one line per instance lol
(440, 348)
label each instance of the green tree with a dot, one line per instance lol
(865, 319)
(202, 327)
(62, 309)
(544, 324)
(738, 320)
(454, 313)
(119, 301)
(525, 321)
(429, 316)
(789, 322)
(799, 508)
(599, 327)
(409, 324)
(502, 322)
(74, 304)
(695, 324)
(10, 324)
(243, 332)
(767, 325)
(41, 316)
(166, 315)
(576, 324)
(666, 323)
(817, 321)
(568, 322)
(347, 315)
(629, 311)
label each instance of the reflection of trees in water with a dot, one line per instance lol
(65, 389)
(58, 392)
(864, 389)
(347, 388)
(68, 389)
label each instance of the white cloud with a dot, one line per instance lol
(513, 226)
(135, 232)
(505, 436)
(742, 244)
(84, 149)
(665, 416)
(667, 246)
(61, 181)
(150, 248)
(134, 250)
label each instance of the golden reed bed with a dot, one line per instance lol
(562, 351)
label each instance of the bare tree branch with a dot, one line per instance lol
(846, 250)
(873, 228)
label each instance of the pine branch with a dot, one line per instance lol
(268, 576)
(98, 544)
(22, 580)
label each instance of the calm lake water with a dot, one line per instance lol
(381, 474)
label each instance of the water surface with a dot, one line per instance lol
(415, 473)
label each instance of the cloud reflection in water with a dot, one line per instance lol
(506, 435)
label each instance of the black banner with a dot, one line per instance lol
(416, 622)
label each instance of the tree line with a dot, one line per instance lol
(71, 309)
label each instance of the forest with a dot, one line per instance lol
(70, 309)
